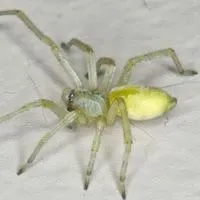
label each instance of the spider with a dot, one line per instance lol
(99, 104)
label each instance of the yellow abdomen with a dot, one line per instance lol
(143, 102)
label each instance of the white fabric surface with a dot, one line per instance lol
(165, 162)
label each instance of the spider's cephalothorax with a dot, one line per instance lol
(91, 103)
(101, 103)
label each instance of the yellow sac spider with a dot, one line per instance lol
(99, 104)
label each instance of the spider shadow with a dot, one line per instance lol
(26, 49)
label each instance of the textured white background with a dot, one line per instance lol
(165, 162)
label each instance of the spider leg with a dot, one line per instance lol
(131, 63)
(119, 105)
(90, 58)
(44, 103)
(94, 150)
(128, 146)
(105, 67)
(62, 59)
(68, 119)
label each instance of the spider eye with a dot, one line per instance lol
(71, 96)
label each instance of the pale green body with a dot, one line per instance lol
(142, 103)
(98, 103)
(91, 103)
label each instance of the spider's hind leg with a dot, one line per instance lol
(131, 64)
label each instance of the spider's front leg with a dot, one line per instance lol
(101, 70)
(130, 65)
(90, 58)
(62, 59)
(105, 67)
(119, 105)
